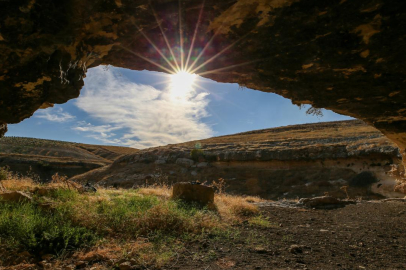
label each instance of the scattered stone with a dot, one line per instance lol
(295, 249)
(202, 164)
(185, 162)
(69, 267)
(160, 161)
(47, 257)
(80, 264)
(15, 196)
(193, 193)
(324, 202)
(125, 266)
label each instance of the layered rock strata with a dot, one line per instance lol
(288, 162)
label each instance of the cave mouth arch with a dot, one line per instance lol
(345, 56)
(141, 109)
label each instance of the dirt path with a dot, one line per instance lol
(369, 235)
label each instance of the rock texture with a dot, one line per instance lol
(287, 162)
(196, 193)
(3, 129)
(347, 56)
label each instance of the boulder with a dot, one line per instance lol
(324, 202)
(202, 164)
(15, 196)
(185, 162)
(189, 192)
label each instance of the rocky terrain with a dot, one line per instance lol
(286, 162)
(46, 157)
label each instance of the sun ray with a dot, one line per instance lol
(181, 35)
(148, 60)
(195, 34)
(207, 45)
(165, 38)
(229, 67)
(156, 48)
(220, 53)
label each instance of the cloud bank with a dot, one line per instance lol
(138, 115)
(55, 115)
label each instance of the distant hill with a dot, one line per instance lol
(46, 157)
(283, 162)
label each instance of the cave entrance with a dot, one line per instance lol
(144, 109)
(281, 150)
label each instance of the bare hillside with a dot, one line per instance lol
(46, 157)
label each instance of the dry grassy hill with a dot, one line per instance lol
(300, 160)
(46, 157)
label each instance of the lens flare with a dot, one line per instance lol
(182, 84)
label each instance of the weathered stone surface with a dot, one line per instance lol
(3, 129)
(15, 196)
(347, 56)
(324, 202)
(185, 162)
(193, 193)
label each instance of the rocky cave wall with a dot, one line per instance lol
(343, 55)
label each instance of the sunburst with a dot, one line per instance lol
(183, 71)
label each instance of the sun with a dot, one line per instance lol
(182, 83)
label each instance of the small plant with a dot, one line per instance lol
(220, 185)
(315, 112)
(63, 180)
(4, 173)
(344, 188)
(196, 154)
(261, 222)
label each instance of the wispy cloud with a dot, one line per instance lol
(140, 115)
(54, 115)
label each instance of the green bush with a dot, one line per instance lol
(3, 173)
(195, 154)
(26, 226)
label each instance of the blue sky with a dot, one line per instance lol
(139, 109)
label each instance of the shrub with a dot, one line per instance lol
(196, 154)
(26, 226)
(3, 173)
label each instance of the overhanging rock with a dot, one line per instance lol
(347, 56)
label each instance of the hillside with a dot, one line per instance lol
(46, 157)
(285, 162)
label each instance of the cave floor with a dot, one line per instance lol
(369, 235)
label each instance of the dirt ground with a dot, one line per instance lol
(369, 235)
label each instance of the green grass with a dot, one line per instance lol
(26, 226)
(261, 222)
(117, 219)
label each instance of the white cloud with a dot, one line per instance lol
(54, 115)
(143, 115)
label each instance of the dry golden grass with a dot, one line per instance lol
(235, 208)
(161, 191)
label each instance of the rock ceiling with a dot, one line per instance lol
(344, 55)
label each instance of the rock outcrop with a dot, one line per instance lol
(3, 129)
(347, 56)
(287, 162)
(194, 193)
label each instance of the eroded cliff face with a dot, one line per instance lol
(347, 56)
(287, 162)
